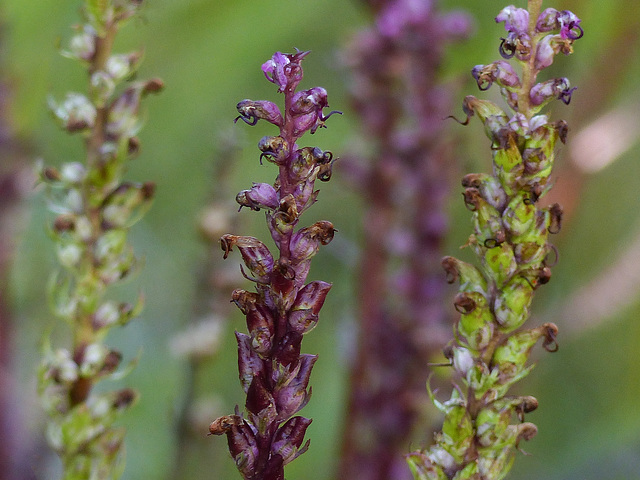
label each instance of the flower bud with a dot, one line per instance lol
(492, 424)
(123, 113)
(499, 262)
(565, 21)
(471, 280)
(284, 69)
(549, 47)
(291, 394)
(489, 188)
(305, 162)
(261, 326)
(250, 364)
(486, 219)
(241, 439)
(288, 438)
(308, 101)
(284, 219)
(476, 324)
(287, 352)
(511, 307)
(423, 468)
(458, 428)
(82, 45)
(511, 356)
(260, 403)
(303, 315)
(520, 215)
(123, 65)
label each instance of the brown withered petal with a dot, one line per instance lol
(550, 333)
(124, 398)
(244, 300)
(472, 198)
(449, 265)
(222, 425)
(464, 303)
(555, 224)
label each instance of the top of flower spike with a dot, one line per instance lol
(517, 22)
(284, 69)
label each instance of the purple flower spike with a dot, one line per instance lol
(273, 373)
(284, 69)
(516, 20)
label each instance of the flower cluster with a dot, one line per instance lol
(273, 373)
(95, 209)
(510, 239)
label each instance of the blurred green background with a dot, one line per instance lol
(209, 54)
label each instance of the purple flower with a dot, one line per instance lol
(556, 88)
(284, 69)
(500, 72)
(570, 25)
(251, 111)
(261, 195)
(516, 20)
(565, 21)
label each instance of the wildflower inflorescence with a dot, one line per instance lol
(273, 373)
(510, 239)
(95, 209)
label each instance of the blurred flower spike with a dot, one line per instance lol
(95, 209)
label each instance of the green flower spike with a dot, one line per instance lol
(95, 209)
(510, 239)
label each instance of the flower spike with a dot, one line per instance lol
(510, 240)
(274, 374)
